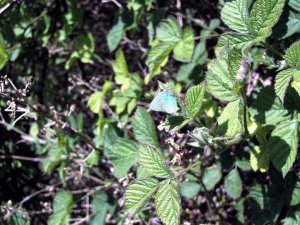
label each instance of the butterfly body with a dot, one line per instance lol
(164, 102)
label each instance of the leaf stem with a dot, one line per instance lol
(219, 149)
(273, 50)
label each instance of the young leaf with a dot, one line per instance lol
(283, 144)
(120, 67)
(62, 206)
(3, 56)
(95, 102)
(167, 202)
(194, 98)
(292, 55)
(123, 155)
(282, 82)
(235, 15)
(211, 177)
(235, 40)
(139, 193)
(143, 128)
(153, 162)
(233, 184)
(184, 49)
(169, 31)
(264, 15)
(219, 82)
(230, 120)
(259, 159)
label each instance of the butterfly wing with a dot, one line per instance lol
(164, 102)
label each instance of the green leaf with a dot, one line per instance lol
(169, 31)
(264, 207)
(293, 216)
(282, 82)
(234, 62)
(219, 82)
(189, 189)
(235, 15)
(292, 55)
(211, 177)
(93, 158)
(260, 159)
(202, 136)
(158, 57)
(95, 102)
(99, 208)
(3, 56)
(167, 202)
(233, 184)
(283, 144)
(20, 217)
(120, 67)
(194, 99)
(184, 49)
(62, 206)
(235, 40)
(138, 194)
(267, 108)
(153, 162)
(143, 128)
(175, 123)
(230, 120)
(264, 15)
(123, 155)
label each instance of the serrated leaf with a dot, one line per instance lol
(267, 108)
(235, 40)
(167, 202)
(283, 144)
(175, 123)
(264, 207)
(151, 160)
(211, 177)
(120, 67)
(138, 194)
(263, 16)
(292, 55)
(190, 189)
(158, 57)
(123, 155)
(143, 128)
(293, 216)
(259, 159)
(62, 206)
(219, 82)
(184, 49)
(235, 15)
(230, 120)
(95, 102)
(234, 61)
(233, 184)
(169, 31)
(194, 99)
(282, 82)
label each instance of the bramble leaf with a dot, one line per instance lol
(194, 99)
(167, 202)
(283, 145)
(211, 177)
(259, 159)
(183, 50)
(235, 15)
(123, 155)
(263, 16)
(233, 184)
(169, 31)
(62, 206)
(293, 216)
(235, 40)
(153, 162)
(138, 193)
(282, 82)
(292, 55)
(144, 128)
(230, 120)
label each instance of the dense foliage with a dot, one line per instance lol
(149, 112)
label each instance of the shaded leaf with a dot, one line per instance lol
(233, 184)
